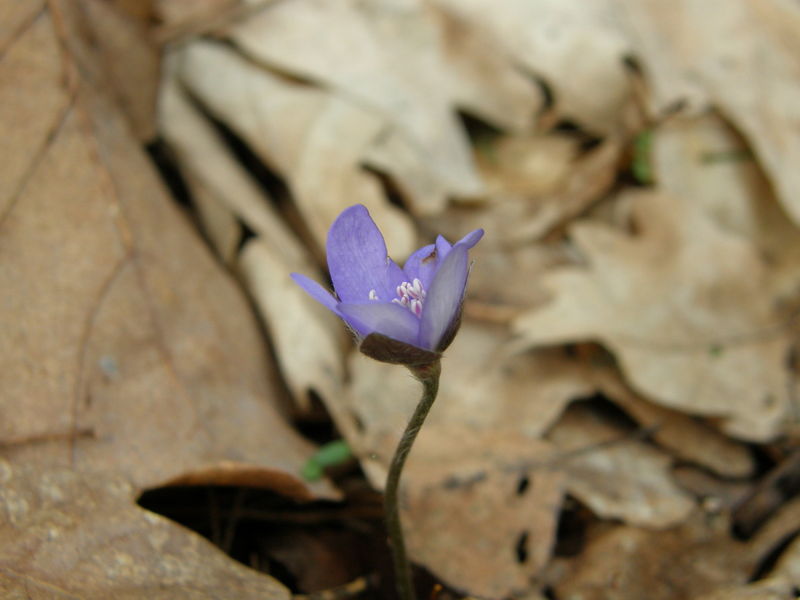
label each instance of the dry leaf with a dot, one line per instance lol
(291, 318)
(315, 139)
(126, 348)
(571, 45)
(766, 590)
(627, 562)
(398, 60)
(72, 535)
(130, 60)
(214, 174)
(17, 17)
(688, 439)
(175, 12)
(737, 55)
(702, 158)
(615, 476)
(592, 177)
(476, 512)
(681, 304)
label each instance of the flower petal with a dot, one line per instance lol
(442, 247)
(316, 291)
(445, 295)
(357, 258)
(422, 265)
(472, 238)
(386, 318)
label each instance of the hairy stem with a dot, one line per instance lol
(429, 377)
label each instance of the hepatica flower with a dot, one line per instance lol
(403, 315)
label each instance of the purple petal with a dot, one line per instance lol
(445, 295)
(316, 291)
(442, 248)
(357, 258)
(387, 318)
(470, 239)
(422, 265)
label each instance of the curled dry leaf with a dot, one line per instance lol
(688, 439)
(408, 63)
(537, 183)
(266, 261)
(571, 45)
(615, 475)
(681, 304)
(592, 176)
(704, 159)
(683, 562)
(126, 347)
(315, 139)
(292, 321)
(739, 56)
(765, 590)
(70, 535)
(181, 12)
(698, 560)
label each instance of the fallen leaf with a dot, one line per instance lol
(615, 476)
(688, 439)
(398, 61)
(72, 535)
(690, 331)
(130, 59)
(684, 562)
(704, 159)
(315, 139)
(757, 591)
(292, 320)
(572, 47)
(736, 55)
(485, 521)
(126, 348)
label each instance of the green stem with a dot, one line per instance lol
(429, 377)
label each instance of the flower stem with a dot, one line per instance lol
(429, 377)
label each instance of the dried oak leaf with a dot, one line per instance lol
(683, 562)
(315, 139)
(737, 55)
(681, 304)
(407, 63)
(229, 196)
(70, 535)
(699, 560)
(763, 590)
(614, 475)
(126, 348)
(129, 58)
(690, 440)
(571, 45)
(704, 159)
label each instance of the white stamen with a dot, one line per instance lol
(373, 295)
(411, 295)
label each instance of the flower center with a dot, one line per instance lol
(411, 295)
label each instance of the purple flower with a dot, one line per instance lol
(407, 315)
